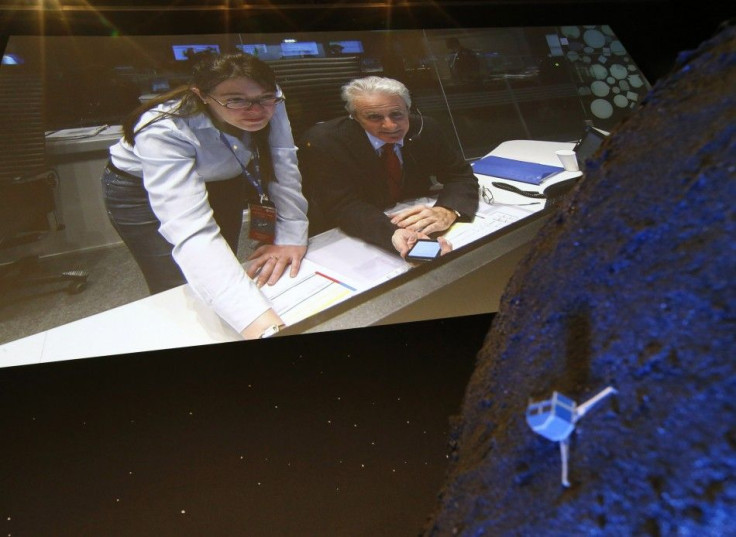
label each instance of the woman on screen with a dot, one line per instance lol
(177, 183)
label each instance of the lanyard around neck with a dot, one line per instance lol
(255, 180)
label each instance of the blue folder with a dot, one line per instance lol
(516, 170)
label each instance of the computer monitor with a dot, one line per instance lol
(257, 49)
(12, 59)
(183, 52)
(297, 49)
(160, 85)
(589, 143)
(351, 46)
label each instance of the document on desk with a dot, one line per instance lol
(364, 264)
(314, 289)
(489, 218)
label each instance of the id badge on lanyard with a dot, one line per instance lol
(262, 221)
(263, 213)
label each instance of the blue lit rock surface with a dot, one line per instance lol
(630, 284)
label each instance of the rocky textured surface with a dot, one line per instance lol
(630, 284)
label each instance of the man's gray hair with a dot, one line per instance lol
(373, 84)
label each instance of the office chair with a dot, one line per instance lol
(27, 208)
(312, 88)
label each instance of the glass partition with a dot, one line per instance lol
(486, 85)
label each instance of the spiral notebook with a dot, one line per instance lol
(516, 170)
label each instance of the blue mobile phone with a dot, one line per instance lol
(424, 250)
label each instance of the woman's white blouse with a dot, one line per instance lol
(176, 157)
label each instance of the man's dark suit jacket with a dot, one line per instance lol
(347, 186)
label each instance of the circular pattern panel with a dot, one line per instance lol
(599, 88)
(594, 38)
(619, 71)
(598, 71)
(601, 108)
(620, 101)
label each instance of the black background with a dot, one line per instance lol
(343, 433)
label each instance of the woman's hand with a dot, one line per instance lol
(269, 262)
(264, 321)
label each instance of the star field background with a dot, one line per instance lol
(344, 433)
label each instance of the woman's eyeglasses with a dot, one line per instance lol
(238, 103)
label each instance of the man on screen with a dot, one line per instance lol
(354, 168)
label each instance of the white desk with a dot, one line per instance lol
(466, 282)
(82, 140)
(530, 151)
(79, 157)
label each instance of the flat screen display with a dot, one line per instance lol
(353, 46)
(257, 49)
(184, 52)
(297, 49)
(12, 59)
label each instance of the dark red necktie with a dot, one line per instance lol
(393, 170)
